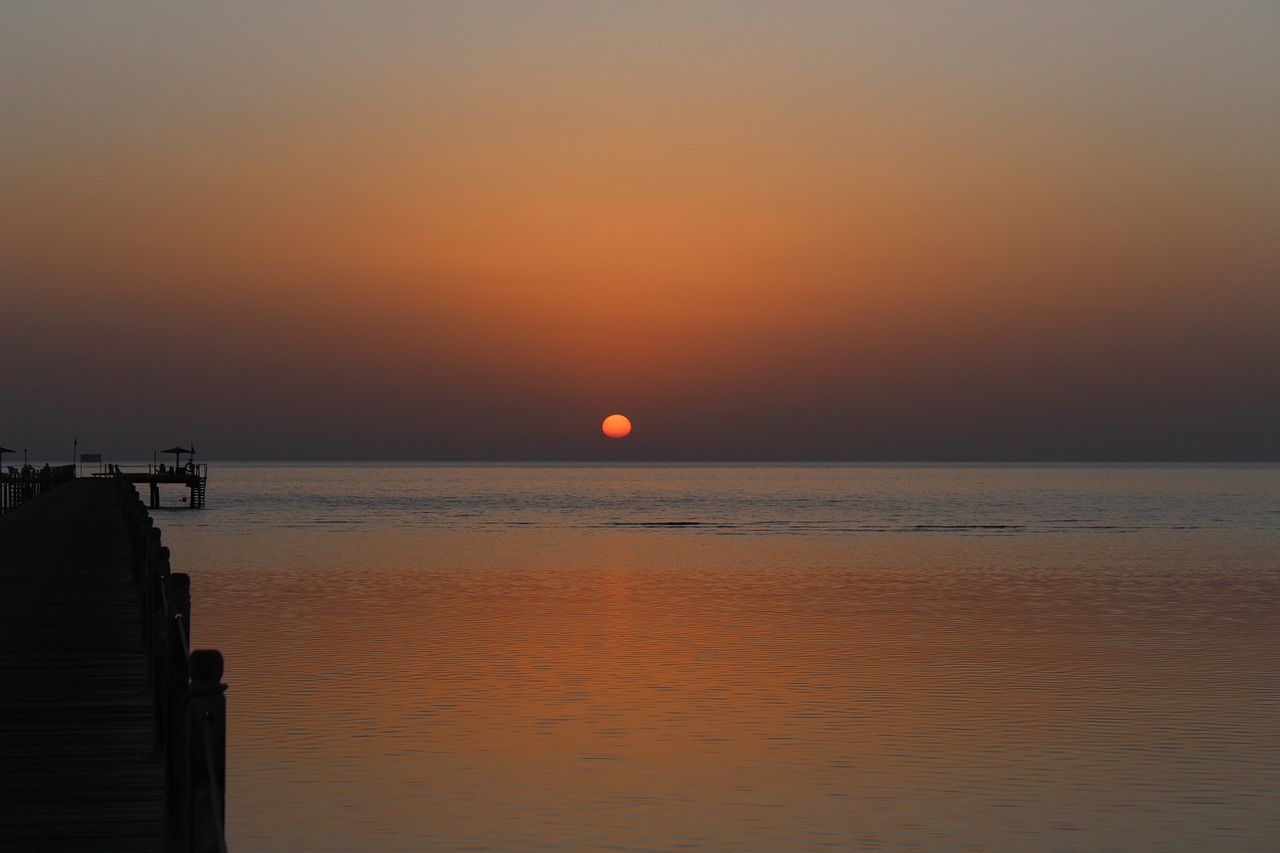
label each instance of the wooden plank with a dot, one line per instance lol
(77, 765)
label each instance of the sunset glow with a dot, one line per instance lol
(1011, 233)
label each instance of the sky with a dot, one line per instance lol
(866, 231)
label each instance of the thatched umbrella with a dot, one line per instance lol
(177, 454)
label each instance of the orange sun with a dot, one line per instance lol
(616, 426)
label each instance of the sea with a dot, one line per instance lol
(658, 657)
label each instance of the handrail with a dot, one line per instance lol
(19, 485)
(190, 705)
(210, 733)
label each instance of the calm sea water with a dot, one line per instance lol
(435, 657)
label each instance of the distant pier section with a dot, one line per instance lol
(21, 484)
(193, 475)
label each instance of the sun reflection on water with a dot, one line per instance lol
(396, 688)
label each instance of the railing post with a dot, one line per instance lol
(206, 747)
(149, 576)
(177, 801)
(143, 524)
(158, 628)
(152, 598)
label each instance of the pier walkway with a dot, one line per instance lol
(95, 753)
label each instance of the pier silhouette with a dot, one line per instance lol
(112, 732)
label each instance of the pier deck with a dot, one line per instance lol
(194, 477)
(78, 765)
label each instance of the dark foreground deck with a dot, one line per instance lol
(82, 750)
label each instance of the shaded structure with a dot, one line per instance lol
(178, 452)
(192, 475)
(112, 733)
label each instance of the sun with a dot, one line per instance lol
(616, 426)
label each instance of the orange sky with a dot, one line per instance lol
(762, 230)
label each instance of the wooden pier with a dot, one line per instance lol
(192, 475)
(112, 733)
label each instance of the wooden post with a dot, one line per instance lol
(141, 542)
(156, 626)
(177, 769)
(206, 730)
(150, 565)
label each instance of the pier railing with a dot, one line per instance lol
(190, 701)
(192, 475)
(21, 484)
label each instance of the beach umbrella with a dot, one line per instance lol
(177, 454)
(4, 450)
